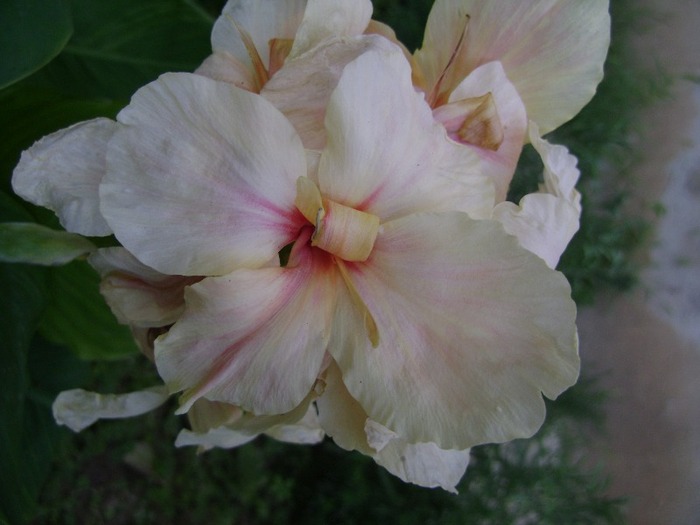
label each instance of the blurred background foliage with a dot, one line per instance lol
(66, 61)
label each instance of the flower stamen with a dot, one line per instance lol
(279, 51)
(340, 230)
(261, 73)
(437, 97)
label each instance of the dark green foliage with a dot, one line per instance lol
(94, 76)
(32, 32)
(266, 482)
(75, 295)
(406, 17)
(32, 372)
(120, 45)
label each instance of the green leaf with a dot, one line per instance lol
(78, 317)
(31, 243)
(121, 45)
(32, 32)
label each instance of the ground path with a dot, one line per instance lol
(646, 345)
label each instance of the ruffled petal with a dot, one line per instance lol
(253, 338)
(263, 20)
(302, 88)
(219, 425)
(545, 222)
(552, 50)
(202, 177)
(78, 409)
(386, 155)
(205, 415)
(499, 162)
(472, 330)
(542, 223)
(138, 295)
(560, 168)
(324, 20)
(62, 172)
(341, 416)
(306, 431)
(423, 464)
(220, 437)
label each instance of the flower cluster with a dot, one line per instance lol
(314, 233)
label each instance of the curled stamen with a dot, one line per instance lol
(279, 51)
(341, 230)
(261, 74)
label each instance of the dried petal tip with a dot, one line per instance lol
(482, 126)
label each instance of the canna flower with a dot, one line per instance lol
(535, 61)
(292, 53)
(551, 50)
(444, 330)
(252, 39)
(310, 245)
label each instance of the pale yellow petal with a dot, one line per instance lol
(552, 50)
(424, 464)
(302, 88)
(347, 423)
(78, 409)
(325, 19)
(386, 155)
(194, 189)
(220, 425)
(544, 222)
(498, 162)
(252, 338)
(62, 172)
(227, 68)
(138, 295)
(473, 329)
(263, 20)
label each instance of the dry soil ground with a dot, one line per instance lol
(646, 344)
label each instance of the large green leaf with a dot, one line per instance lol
(32, 32)
(31, 243)
(78, 317)
(121, 45)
